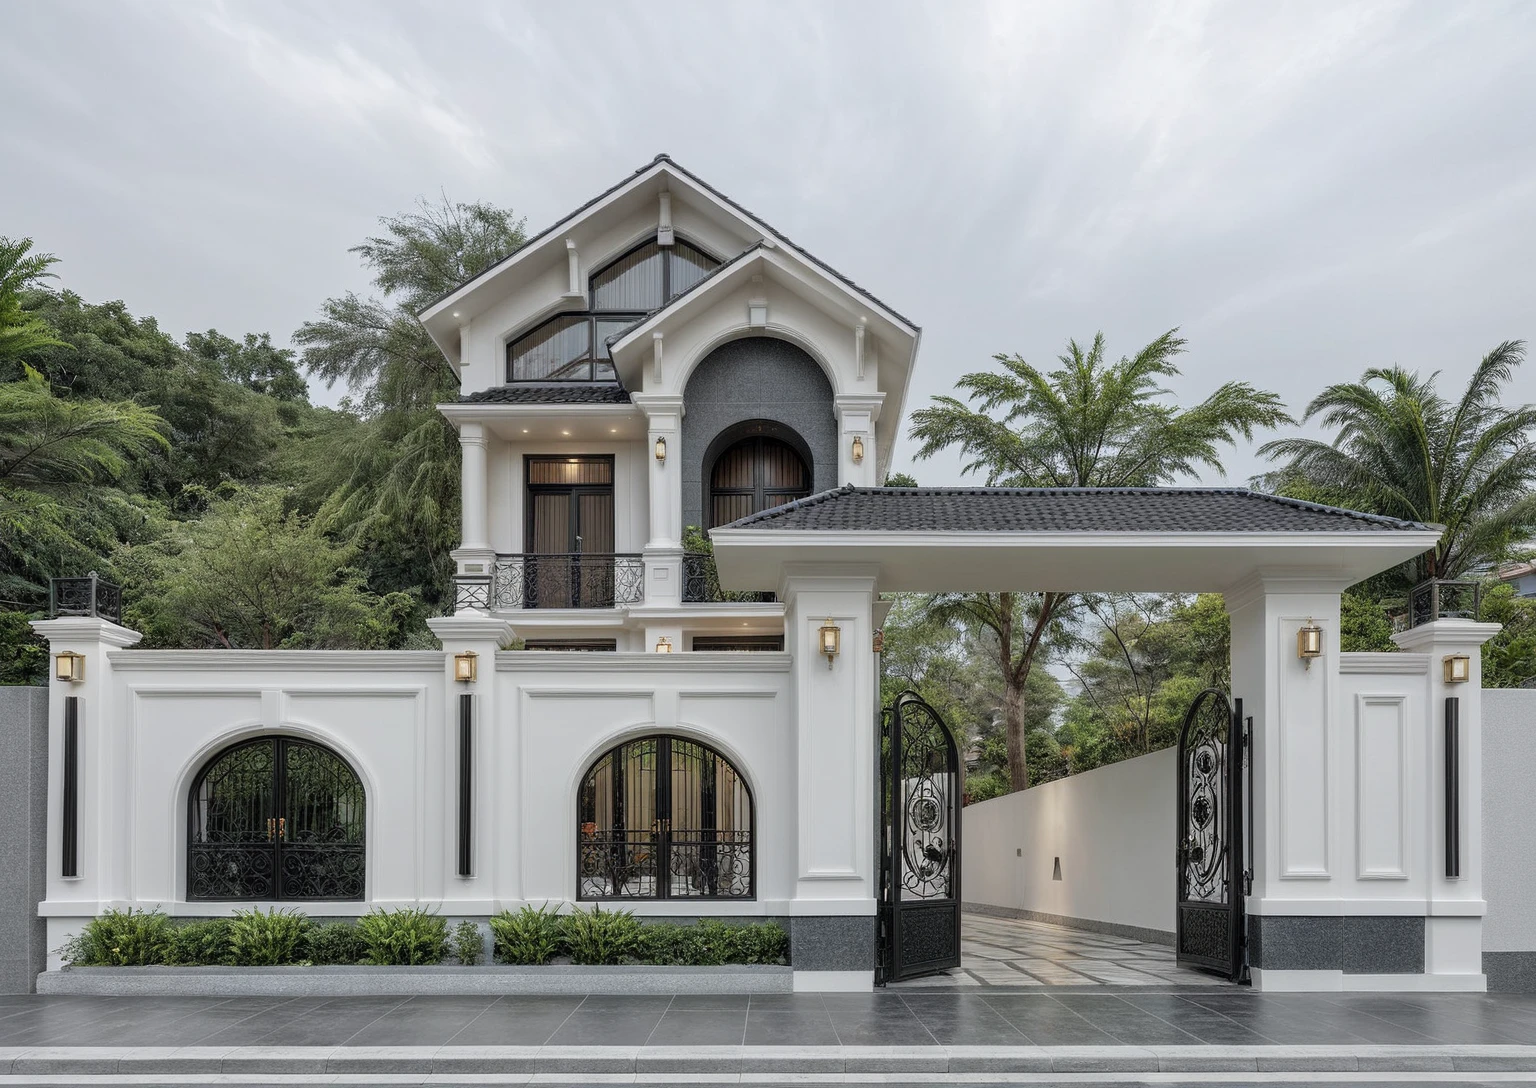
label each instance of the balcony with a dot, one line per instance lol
(574, 580)
(701, 583)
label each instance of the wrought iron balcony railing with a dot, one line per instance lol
(88, 596)
(574, 580)
(701, 583)
(1442, 599)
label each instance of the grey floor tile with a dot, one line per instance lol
(700, 1027)
(773, 1028)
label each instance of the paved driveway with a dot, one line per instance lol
(1013, 953)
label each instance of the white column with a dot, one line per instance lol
(664, 548)
(475, 497)
(1453, 937)
(834, 730)
(104, 778)
(856, 417)
(496, 870)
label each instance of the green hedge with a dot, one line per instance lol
(411, 936)
(536, 935)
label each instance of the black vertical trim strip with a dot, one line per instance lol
(1452, 787)
(70, 818)
(466, 781)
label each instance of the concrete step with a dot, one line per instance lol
(768, 1065)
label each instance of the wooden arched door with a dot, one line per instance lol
(757, 473)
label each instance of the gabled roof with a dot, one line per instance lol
(659, 163)
(1064, 510)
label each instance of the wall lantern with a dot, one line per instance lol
(858, 449)
(69, 666)
(465, 665)
(831, 637)
(663, 645)
(1458, 669)
(1309, 642)
(661, 449)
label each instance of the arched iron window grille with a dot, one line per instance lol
(276, 818)
(574, 346)
(756, 473)
(664, 817)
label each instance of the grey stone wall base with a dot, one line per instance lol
(844, 942)
(411, 981)
(24, 846)
(1510, 972)
(1113, 929)
(1374, 945)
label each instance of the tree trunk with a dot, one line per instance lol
(1013, 726)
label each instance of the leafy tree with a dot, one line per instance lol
(253, 574)
(394, 480)
(254, 363)
(1403, 450)
(1147, 658)
(56, 456)
(1364, 626)
(1088, 423)
(21, 332)
(1509, 658)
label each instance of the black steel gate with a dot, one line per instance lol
(919, 822)
(1211, 880)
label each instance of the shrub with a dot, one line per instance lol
(468, 943)
(332, 944)
(408, 937)
(122, 938)
(203, 943)
(531, 936)
(601, 936)
(266, 939)
(763, 943)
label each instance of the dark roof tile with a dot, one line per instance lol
(551, 393)
(1063, 510)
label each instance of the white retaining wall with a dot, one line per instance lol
(1111, 827)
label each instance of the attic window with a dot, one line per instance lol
(568, 348)
(649, 276)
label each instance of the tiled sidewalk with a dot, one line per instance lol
(1014, 953)
(1136, 1018)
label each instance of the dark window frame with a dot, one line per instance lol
(738, 643)
(530, 489)
(597, 351)
(572, 645)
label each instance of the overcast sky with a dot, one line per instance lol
(1305, 189)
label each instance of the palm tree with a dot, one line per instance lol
(1088, 423)
(1405, 451)
(22, 332)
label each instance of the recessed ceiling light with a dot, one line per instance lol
(455, 313)
(525, 430)
(566, 433)
(613, 430)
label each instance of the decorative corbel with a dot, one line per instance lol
(572, 268)
(656, 357)
(858, 347)
(664, 235)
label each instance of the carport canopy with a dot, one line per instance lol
(1149, 540)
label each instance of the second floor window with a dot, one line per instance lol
(574, 347)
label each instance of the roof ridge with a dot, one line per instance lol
(852, 491)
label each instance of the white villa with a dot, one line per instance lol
(694, 731)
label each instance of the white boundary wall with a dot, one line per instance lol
(1112, 828)
(1509, 814)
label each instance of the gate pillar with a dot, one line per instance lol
(832, 912)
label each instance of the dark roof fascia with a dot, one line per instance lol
(702, 184)
(779, 512)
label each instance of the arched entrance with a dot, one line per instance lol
(754, 467)
(276, 818)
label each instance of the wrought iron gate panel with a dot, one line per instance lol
(1209, 846)
(919, 822)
